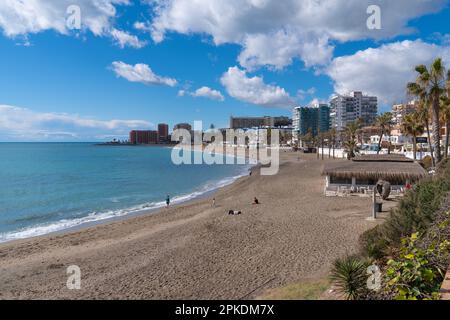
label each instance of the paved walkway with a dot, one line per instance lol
(445, 289)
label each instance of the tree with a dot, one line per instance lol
(351, 131)
(332, 139)
(384, 123)
(445, 108)
(321, 138)
(445, 118)
(307, 139)
(429, 86)
(424, 118)
(412, 126)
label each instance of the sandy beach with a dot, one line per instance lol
(195, 250)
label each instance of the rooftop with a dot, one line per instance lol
(389, 167)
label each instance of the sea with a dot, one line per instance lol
(51, 187)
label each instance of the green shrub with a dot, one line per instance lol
(350, 277)
(373, 243)
(414, 213)
(412, 276)
(413, 245)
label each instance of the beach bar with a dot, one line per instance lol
(360, 175)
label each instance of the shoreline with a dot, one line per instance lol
(195, 250)
(201, 194)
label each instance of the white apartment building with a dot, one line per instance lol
(399, 111)
(348, 108)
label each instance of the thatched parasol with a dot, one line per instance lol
(375, 167)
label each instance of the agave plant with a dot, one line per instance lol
(349, 276)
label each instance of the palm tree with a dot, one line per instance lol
(384, 122)
(423, 116)
(445, 108)
(412, 126)
(333, 137)
(351, 131)
(445, 118)
(429, 86)
(321, 138)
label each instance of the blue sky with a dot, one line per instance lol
(251, 57)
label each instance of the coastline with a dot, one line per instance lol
(138, 210)
(194, 250)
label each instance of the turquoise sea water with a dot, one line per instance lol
(47, 187)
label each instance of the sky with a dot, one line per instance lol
(92, 70)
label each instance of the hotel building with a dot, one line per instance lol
(259, 122)
(163, 132)
(349, 108)
(399, 111)
(313, 119)
(143, 137)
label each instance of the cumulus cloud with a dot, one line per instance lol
(24, 124)
(204, 92)
(278, 50)
(273, 33)
(24, 17)
(140, 73)
(384, 71)
(301, 94)
(124, 39)
(21, 18)
(254, 90)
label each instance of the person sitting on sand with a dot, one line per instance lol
(234, 212)
(255, 201)
(168, 201)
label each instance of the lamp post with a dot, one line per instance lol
(374, 211)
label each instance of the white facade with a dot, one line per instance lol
(349, 108)
(394, 139)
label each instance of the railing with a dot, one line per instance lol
(342, 154)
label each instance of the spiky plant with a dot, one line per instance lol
(349, 275)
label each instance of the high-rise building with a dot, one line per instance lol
(163, 132)
(399, 111)
(259, 122)
(348, 108)
(312, 119)
(323, 117)
(143, 137)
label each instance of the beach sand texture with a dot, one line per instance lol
(195, 250)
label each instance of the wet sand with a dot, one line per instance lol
(195, 250)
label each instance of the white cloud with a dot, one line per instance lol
(274, 32)
(124, 39)
(142, 26)
(254, 90)
(140, 73)
(384, 71)
(24, 124)
(21, 18)
(301, 94)
(278, 50)
(33, 16)
(204, 92)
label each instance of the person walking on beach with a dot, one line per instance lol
(167, 201)
(214, 202)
